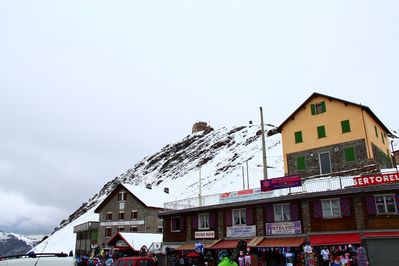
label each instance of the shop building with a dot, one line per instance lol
(86, 237)
(336, 212)
(328, 136)
(130, 209)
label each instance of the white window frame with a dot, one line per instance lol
(241, 215)
(160, 229)
(119, 216)
(330, 208)
(384, 196)
(203, 221)
(122, 196)
(284, 217)
(171, 224)
(137, 215)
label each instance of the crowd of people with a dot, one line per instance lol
(345, 255)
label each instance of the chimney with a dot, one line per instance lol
(166, 190)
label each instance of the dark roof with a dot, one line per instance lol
(363, 107)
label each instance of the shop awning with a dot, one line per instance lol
(226, 244)
(255, 241)
(281, 242)
(191, 246)
(380, 234)
(335, 239)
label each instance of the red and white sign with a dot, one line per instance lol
(204, 234)
(377, 179)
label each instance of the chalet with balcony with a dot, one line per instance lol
(130, 209)
(328, 136)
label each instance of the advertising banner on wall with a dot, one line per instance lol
(241, 231)
(280, 182)
(376, 179)
(283, 228)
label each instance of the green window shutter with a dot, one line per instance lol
(349, 154)
(376, 131)
(300, 163)
(323, 107)
(346, 127)
(298, 137)
(321, 132)
(313, 109)
(382, 137)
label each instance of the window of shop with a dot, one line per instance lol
(108, 216)
(122, 196)
(176, 224)
(300, 163)
(203, 221)
(318, 108)
(108, 231)
(349, 155)
(121, 229)
(282, 212)
(133, 229)
(345, 126)
(331, 208)
(321, 132)
(385, 204)
(134, 215)
(298, 137)
(239, 217)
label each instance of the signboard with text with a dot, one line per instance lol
(204, 234)
(376, 179)
(280, 182)
(241, 231)
(283, 228)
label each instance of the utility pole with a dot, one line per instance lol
(262, 126)
(247, 174)
(243, 178)
(199, 188)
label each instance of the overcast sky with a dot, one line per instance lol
(89, 88)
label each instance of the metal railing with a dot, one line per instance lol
(308, 186)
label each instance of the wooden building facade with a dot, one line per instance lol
(353, 215)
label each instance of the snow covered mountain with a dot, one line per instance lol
(11, 244)
(227, 159)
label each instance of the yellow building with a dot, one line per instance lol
(330, 136)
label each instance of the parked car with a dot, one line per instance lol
(135, 261)
(44, 259)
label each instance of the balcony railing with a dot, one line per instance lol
(312, 185)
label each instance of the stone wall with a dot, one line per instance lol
(148, 216)
(337, 157)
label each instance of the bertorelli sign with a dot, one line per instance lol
(376, 179)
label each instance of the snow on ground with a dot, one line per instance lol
(64, 239)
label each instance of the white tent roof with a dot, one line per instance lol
(137, 240)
